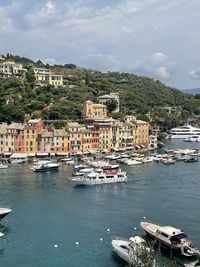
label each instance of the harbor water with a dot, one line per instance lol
(54, 224)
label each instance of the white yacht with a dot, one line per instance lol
(4, 212)
(193, 138)
(3, 166)
(101, 177)
(45, 165)
(183, 132)
(1, 234)
(129, 249)
(172, 238)
(131, 162)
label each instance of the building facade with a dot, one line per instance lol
(46, 76)
(94, 111)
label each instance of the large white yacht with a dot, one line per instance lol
(101, 177)
(172, 238)
(184, 132)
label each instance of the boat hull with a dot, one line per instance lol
(84, 181)
(46, 169)
(4, 213)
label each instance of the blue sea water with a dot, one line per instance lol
(49, 211)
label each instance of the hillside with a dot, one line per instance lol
(138, 95)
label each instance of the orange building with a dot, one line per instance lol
(94, 111)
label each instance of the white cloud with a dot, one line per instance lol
(163, 73)
(47, 10)
(102, 62)
(157, 65)
(5, 21)
(50, 61)
(158, 57)
(195, 74)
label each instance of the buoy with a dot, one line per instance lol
(144, 217)
(77, 243)
(101, 239)
(55, 246)
(108, 230)
(135, 228)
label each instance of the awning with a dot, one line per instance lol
(7, 153)
(52, 154)
(18, 155)
(31, 154)
(43, 154)
(142, 146)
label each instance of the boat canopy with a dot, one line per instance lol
(177, 238)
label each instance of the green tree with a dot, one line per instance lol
(111, 105)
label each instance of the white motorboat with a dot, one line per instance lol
(131, 162)
(45, 166)
(168, 161)
(112, 157)
(67, 160)
(172, 238)
(1, 235)
(103, 177)
(3, 166)
(147, 160)
(193, 138)
(184, 132)
(4, 212)
(83, 171)
(129, 249)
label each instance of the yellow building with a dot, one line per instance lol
(30, 142)
(75, 137)
(105, 134)
(142, 134)
(94, 111)
(46, 76)
(60, 140)
(90, 139)
(115, 126)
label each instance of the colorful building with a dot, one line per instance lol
(94, 111)
(90, 139)
(46, 76)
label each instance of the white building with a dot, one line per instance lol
(106, 98)
(11, 69)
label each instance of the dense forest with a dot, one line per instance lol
(147, 98)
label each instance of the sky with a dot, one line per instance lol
(155, 38)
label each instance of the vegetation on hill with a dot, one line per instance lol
(140, 96)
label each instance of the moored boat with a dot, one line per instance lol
(4, 212)
(191, 160)
(103, 177)
(45, 166)
(172, 238)
(129, 249)
(3, 166)
(1, 235)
